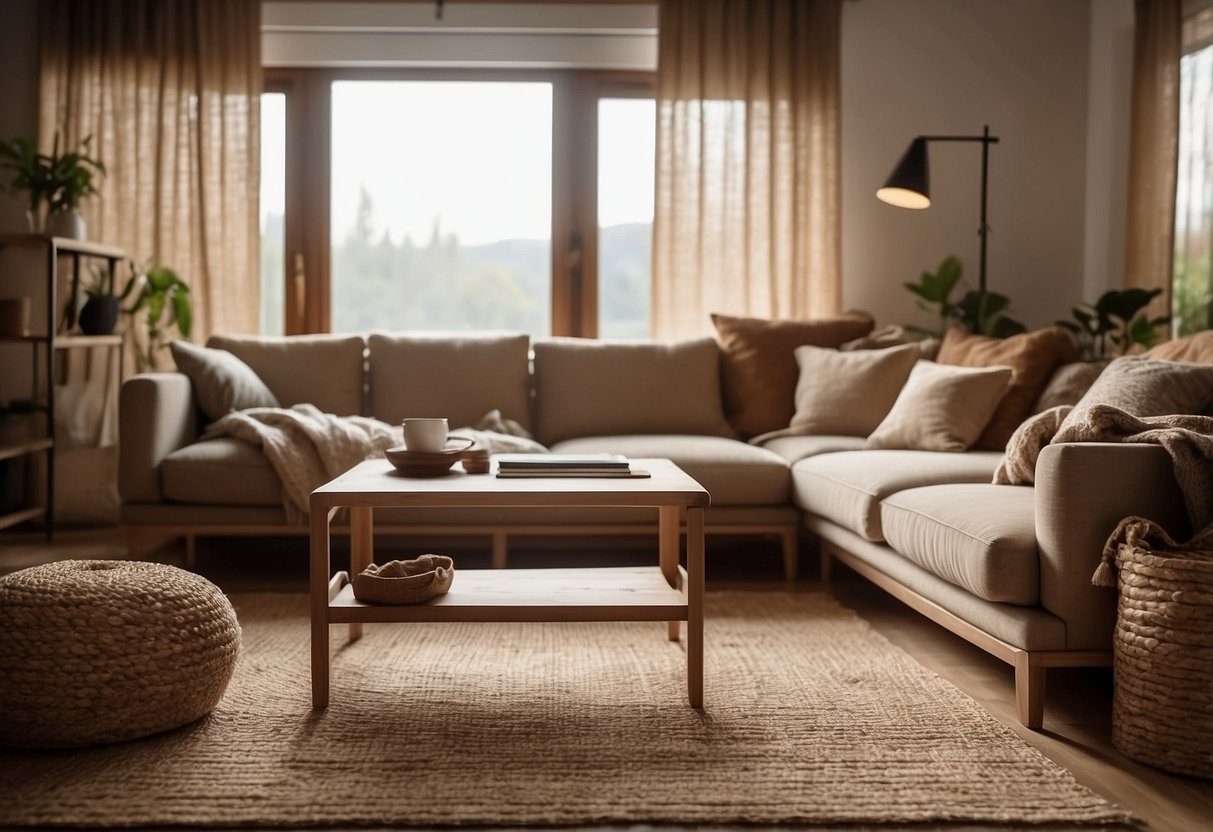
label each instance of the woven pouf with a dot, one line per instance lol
(102, 651)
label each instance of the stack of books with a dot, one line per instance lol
(565, 465)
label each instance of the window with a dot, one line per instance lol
(273, 210)
(458, 200)
(627, 133)
(1192, 305)
(441, 205)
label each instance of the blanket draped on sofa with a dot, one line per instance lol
(1187, 439)
(307, 448)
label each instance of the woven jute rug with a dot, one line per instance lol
(809, 717)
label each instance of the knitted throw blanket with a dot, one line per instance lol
(1188, 440)
(307, 448)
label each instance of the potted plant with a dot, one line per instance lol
(99, 315)
(1115, 323)
(60, 181)
(164, 301)
(976, 311)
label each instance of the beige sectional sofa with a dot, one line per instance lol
(1007, 567)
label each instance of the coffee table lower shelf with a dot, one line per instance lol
(630, 593)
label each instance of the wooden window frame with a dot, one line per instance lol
(574, 257)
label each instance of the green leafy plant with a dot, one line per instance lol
(60, 181)
(1115, 323)
(976, 311)
(163, 302)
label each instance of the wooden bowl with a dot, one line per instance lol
(423, 464)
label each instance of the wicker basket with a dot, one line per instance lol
(1162, 705)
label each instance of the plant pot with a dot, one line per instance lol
(99, 315)
(67, 224)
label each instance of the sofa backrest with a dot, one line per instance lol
(615, 388)
(324, 370)
(457, 375)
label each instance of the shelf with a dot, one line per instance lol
(64, 342)
(13, 518)
(64, 245)
(33, 446)
(594, 594)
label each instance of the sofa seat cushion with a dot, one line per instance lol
(734, 473)
(847, 487)
(979, 537)
(220, 471)
(796, 448)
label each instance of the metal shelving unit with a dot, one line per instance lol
(43, 349)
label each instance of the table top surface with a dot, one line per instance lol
(375, 483)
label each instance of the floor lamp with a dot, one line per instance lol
(909, 184)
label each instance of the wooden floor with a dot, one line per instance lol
(1077, 719)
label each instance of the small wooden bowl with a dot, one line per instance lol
(423, 464)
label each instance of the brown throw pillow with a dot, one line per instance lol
(941, 408)
(759, 368)
(1033, 356)
(221, 381)
(848, 393)
(1191, 349)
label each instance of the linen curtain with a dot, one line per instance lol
(747, 204)
(1153, 149)
(170, 93)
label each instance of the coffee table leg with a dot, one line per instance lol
(320, 567)
(362, 532)
(695, 606)
(668, 531)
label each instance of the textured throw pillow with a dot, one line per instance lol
(759, 369)
(221, 381)
(1070, 382)
(848, 393)
(1032, 356)
(1142, 386)
(942, 408)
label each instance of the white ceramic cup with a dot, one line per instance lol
(427, 436)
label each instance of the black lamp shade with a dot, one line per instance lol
(908, 186)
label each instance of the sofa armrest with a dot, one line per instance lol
(1082, 491)
(157, 415)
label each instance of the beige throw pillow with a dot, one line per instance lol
(848, 393)
(1032, 356)
(942, 408)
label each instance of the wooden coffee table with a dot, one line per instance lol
(665, 592)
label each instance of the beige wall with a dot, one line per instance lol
(18, 89)
(948, 67)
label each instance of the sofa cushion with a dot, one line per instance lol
(618, 388)
(1032, 357)
(849, 393)
(980, 537)
(1068, 384)
(733, 472)
(847, 487)
(220, 472)
(796, 448)
(1144, 386)
(1196, 348)
(459, 376)
(221, 381)
(324, 370)
(941, 408)
(760, 369)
